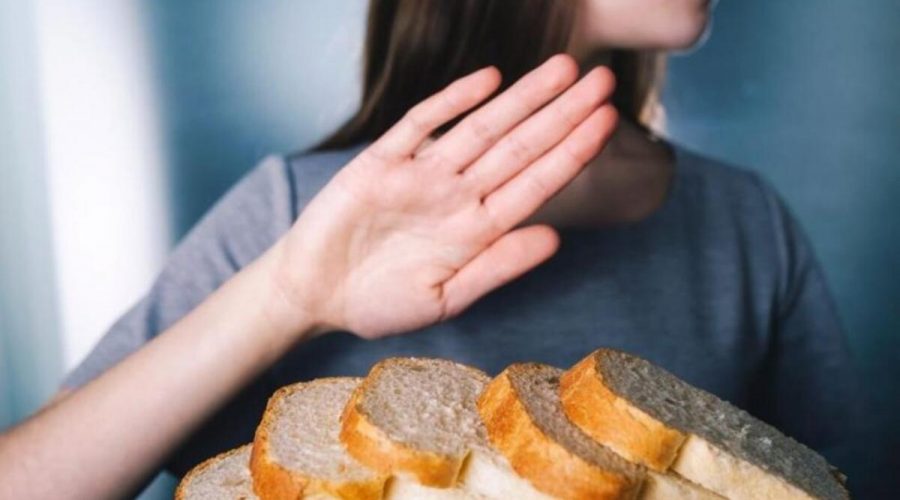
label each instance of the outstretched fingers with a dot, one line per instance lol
(405, 136)
(477, 132)
(540, 132)
(507, 258)
(522, 195)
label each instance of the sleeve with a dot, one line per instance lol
(246, 221)
(809, 386)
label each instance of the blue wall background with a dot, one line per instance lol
(243, 79)
(29, 362)
(806, 93)
(803, 91)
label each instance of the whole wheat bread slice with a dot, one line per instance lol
(297, 452)
(648, 415)
(525, 421)
(225, 476)
(415, 418)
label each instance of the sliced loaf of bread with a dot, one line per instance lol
(223, 477)
(415, 418)
(297, 452)
(525, 421)
(651, 417)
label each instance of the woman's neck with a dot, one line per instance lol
(627, 182)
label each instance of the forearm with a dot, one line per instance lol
(111, 434)
(399, 239)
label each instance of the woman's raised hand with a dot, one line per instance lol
(413, 231)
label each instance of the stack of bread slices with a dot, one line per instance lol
(613, 426)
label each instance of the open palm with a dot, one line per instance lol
(412, 231)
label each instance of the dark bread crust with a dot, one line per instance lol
(271, 480)
(678, 407)
(372, 446)
(537, 455)
(615, 422)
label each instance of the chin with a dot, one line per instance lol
(687, 34)
(665, 25)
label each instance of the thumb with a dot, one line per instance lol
(507, 258)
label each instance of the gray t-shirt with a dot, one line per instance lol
(719, 286)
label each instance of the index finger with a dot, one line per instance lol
(404, 137)
(476, 133)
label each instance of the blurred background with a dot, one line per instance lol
(121, 122)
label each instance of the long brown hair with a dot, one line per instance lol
(413, 48)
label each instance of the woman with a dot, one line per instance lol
(446, 185)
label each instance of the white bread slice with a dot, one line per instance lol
(648, 415)
(297, 452)
(225, 476)
(415, 418)
(525, 421)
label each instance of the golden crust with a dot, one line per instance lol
(373, 447)
(201, 468)
(613, 421)
(537, 457)
(271, 480)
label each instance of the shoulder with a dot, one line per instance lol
(728, 193)
(309, 171)
(722, 182)
(737, 204)
(253, 213)
(259, 208)
(321, 161)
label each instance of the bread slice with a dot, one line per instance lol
(415, 418)
(648, 415)
(525, 421)
(296, 450)
(225, 476)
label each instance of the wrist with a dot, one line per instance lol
(293, 320)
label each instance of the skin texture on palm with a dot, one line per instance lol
(407, 235)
